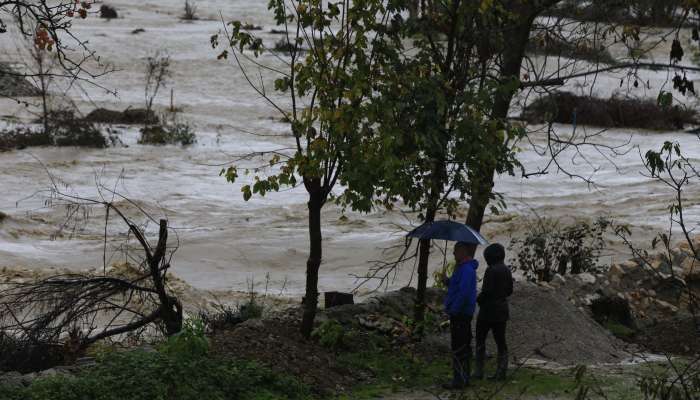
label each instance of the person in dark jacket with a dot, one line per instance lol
(493, 311)
(460, 304)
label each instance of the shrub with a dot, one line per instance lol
(329, 334)
(549, 248)
(138, 374)
(440, 275)
(107, 12)
(64, 129)
(26, 357)
(67, 130)
(180, 133)
(21, 138)
(189, 343)
(567, 108)
(190, 11)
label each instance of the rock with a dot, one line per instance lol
(27, 379)
(108, 12)
(137, 31)
(614, 309)
(255, 323)
(558, 280)
(12, 378)
(691, 269)
(661, 264)
(334, 299)
(378, 322)
(615, 274)
(589, 299)
(586, 278)
(664, 307)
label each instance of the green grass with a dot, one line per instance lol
(140, 375)
(396, 372)
(619, 330)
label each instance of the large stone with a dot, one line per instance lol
(586, 278)
(12, 378)
(334, 299)
(661, 264)
(558, 280)
(691, 269)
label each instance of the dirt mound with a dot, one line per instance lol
(544, 324)
(678, 335)
(279, 345)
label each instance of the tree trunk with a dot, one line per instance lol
(512, 60)
(423, 256)
(313, 263)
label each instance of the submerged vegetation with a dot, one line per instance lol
(614, 112)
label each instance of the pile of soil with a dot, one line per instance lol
(679, 335)
(545, 325)
(279, 345)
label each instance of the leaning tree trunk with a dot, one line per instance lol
(513, 54)
(170, 306)
(313, 263)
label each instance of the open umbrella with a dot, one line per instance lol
(448, 230)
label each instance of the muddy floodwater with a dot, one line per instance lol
(224, 241)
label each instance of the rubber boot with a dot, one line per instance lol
(460, 373)
(479, 363)
(502, 368)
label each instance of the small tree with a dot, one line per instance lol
(549, 248)
(329, 71)
(157, 75)
(48, 24)
(40, 66)
(190, 12)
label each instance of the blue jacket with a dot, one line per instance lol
(461, 290)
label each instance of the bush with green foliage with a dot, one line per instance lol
(329, 334)
(180, 133)
(190, 342)
(550, 248)
(181, 370)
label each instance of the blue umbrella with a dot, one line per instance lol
(448, 230)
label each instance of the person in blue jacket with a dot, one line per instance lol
(460, 303)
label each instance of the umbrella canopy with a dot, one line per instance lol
(448, 230)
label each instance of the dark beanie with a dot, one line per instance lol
(494, 254)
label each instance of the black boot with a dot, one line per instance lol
(460, 373)
(479, 363)
(502, 369)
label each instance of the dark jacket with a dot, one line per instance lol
(493, 298)
(461, 290)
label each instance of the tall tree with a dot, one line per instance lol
(429, 121)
